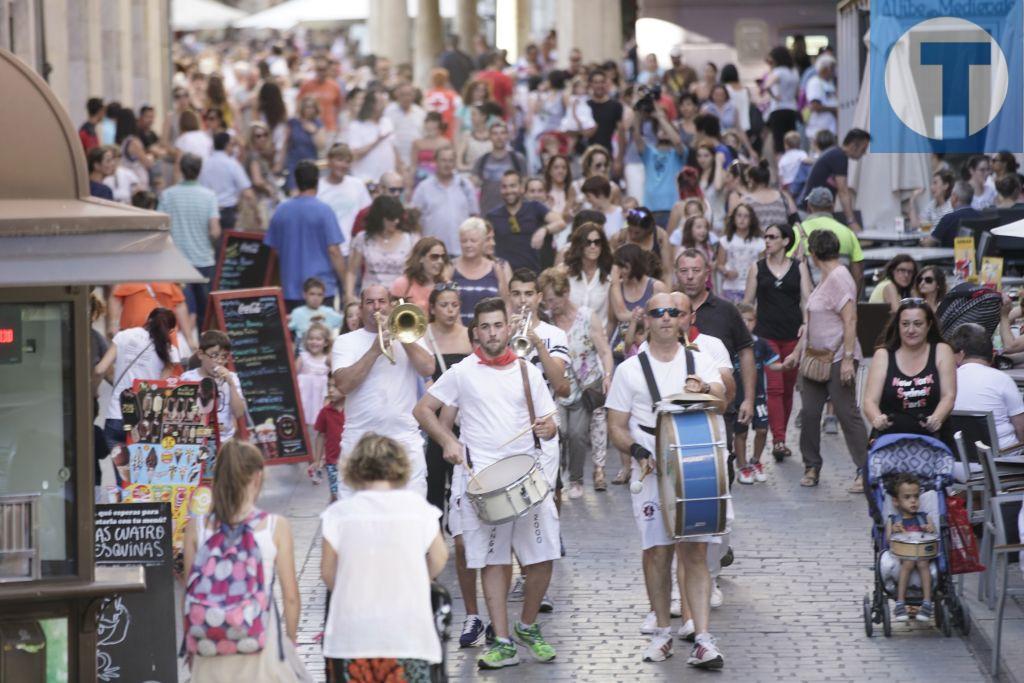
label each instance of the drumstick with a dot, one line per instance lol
(638, 485)
(526, 430)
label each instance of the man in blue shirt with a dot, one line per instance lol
(520, 227)
(946, 230)
(662, 164)
(305, 233)
(228, 180)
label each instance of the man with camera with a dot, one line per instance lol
(662, 161)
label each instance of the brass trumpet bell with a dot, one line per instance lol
(520, 342)
(407, 323)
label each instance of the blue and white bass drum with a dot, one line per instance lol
(693, 476)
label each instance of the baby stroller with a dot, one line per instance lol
(441, 604)
(932, 462)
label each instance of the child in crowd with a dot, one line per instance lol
(313, 371)
(353, 319)
(636, 333)
(906, 498)
(382, 546)
(535, 191)
(738, 251)
(789, 162)
(329, 426)
(213, 354)
(314, 310)
(765, 359)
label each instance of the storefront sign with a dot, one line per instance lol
(135, 631)
(262, 355)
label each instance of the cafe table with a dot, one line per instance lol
(919, 254)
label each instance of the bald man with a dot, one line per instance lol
(631, 422)
(379, 394)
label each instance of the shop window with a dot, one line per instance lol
(37, 440)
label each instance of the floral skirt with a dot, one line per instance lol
(378, 671)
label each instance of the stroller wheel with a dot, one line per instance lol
(869, 627)
(963, 618)
(886, 621)
(946, 614)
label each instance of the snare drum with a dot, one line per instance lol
(693, 480)
(507, 489)
(914, 545)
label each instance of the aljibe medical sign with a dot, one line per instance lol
(946, 75)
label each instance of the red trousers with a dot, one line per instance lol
(780, 387)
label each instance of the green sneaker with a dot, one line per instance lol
(498, 656)
(532, 639)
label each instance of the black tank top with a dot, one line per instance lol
(908, 400)
(778, 303)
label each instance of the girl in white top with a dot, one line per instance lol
(382, 546)
(237, 480)
(738, 251)
(588, 263)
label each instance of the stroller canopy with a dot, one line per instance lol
(925, 456)
(970, 303)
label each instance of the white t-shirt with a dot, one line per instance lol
(383, 403)
(380, 159)
(979, 387)
(381, 593)
(713, 346)
(556, 341)
(408, 127)
(614, 221)
(134, 343)
(629, 392)
(824, 92)
(789, 164)
(225, 419)
(492, 409)
(346, 199)
(195, 142)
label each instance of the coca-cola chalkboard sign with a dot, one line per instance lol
(244, 262)
(262, 355)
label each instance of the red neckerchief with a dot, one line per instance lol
(501, 361)
(692, 336)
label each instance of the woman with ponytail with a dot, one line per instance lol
(771, 206)
(146, 352)
(237, 480)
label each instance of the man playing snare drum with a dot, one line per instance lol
(631, 419)
(488, 389)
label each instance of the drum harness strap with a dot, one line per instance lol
(529, 402)
(652, 386)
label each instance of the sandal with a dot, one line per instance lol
(599, 483)
(857, 486)
(780, 451)
(622, 477)
(810, 477)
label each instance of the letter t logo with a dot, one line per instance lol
(956, 60)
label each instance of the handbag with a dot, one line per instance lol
(593, 395)
(816, 364)
(963, 546)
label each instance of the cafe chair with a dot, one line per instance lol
(1002, 551)
(995, 485)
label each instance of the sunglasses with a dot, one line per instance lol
(592, 243)
(912, 301)
(926, 279)
(773, 237)
(437, 257)
(446, 287)
(513, 225)
(661, 311)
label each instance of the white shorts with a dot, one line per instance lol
(647, 512)
(456, 500)
(533, 537)
(414, 448)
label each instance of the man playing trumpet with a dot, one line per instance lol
(380, 394)
(489, 390)
(631, 422)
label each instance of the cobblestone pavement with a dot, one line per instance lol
(792, 598)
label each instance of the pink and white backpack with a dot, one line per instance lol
(227, 596)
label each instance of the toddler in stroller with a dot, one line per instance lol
(908, 519)
(905, 483)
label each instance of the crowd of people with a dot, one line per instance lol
(629, 221)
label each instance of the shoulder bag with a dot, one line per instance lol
(816, 364)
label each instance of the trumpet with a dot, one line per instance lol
(406, 323)
(520, 342)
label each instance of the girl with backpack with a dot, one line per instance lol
(233, 629)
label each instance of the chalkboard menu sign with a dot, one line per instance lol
(244, 262)
(135, 631)
(261, 350)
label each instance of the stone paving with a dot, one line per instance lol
(792, 599)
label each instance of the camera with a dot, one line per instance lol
(648, 96)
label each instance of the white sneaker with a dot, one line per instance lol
(704, 654)
(517, 589)
(716, 594)
(759, 474)
(575, 490)
(676, 608)
(686, 631)
(745, 475)
(650, 623)
(659, 649)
